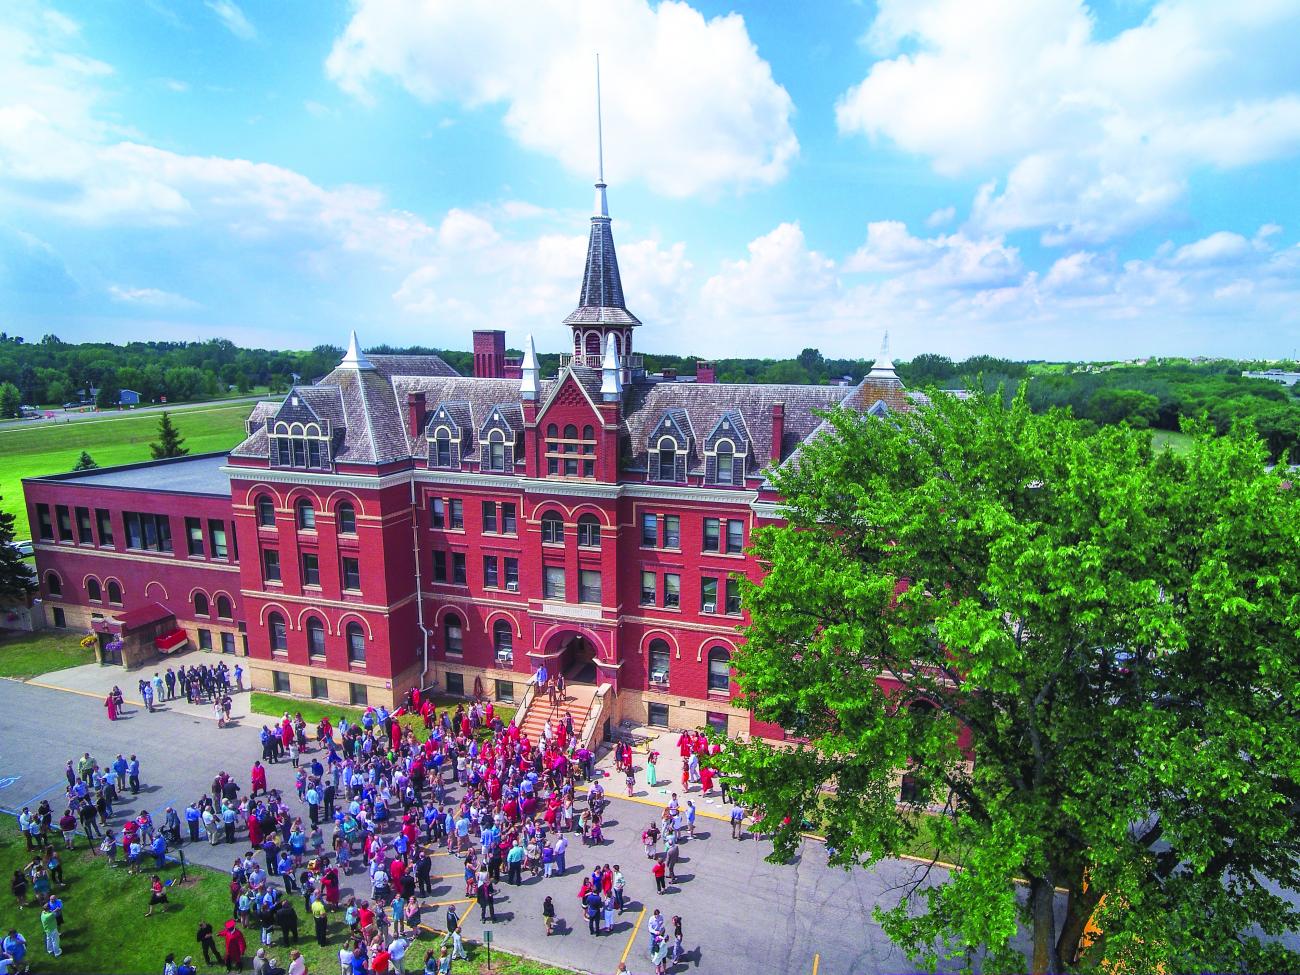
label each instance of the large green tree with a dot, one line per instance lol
(15, 575)
(169, 443)
(1085, 653)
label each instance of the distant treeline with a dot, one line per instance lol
(1154, 394)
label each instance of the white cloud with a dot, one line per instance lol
(941, 217)
(153, 297)
(232, 18)
(689, 105)
(1215, 250)
(1089, 137)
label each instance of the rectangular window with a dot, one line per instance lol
(65, 522)
(84, 534)
(439, 566)
(455, 684)
(649, 589)
(105, 527)
(194, 536)
(588, 586)
(490, 568)
(506, 691)
(437, 512)
(490, 516)
(271, 565)
(552, 465)
(44, 525)
(672, 589)
(658, 715)
(217, 539)
(310, 570)
(457, 519)
(150, 532)
(352, 574)
(458, 568)
(733, 595)
(357, 695)
(672, 531)
(716, 722)
(279, 682)
(735, 537)
(512, 574)
(320, 688)
(508, 519)
(228, 643)
(650, 531)
(712, 534)
(553, 582)
(60, 618)
(708, 595)
(205, 639)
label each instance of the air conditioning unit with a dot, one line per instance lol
(512, 586)
(659, 677)
(710, 607)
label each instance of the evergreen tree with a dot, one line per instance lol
(15, 575)
(85, 462)
(169, 440)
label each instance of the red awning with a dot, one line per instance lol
(174, 640)
(144, 615)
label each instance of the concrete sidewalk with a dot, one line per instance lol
(96, 680)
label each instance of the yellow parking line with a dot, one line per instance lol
(631, 939)
(660, 805)
(816, 961)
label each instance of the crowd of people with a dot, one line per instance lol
(381, 802)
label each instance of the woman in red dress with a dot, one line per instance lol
(111, 703)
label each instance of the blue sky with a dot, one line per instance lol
(1032, 178)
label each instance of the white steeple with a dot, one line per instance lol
(884, 366)
(528, 387)
(611, 380)
(602, 204)
(354, 358)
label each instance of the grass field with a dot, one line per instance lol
(312, 711)
(105, 929)
(24, 655)
(54, 448)
(1174, 440)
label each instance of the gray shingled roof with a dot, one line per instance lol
(411, 365)
(601, 299)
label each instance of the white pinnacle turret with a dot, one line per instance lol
(354, 358)
(528, 384)
(884, 366)
(611, 381)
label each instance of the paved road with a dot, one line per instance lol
(61, 416)
(739, 913)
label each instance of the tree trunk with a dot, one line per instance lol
(1078, 910)
(1042, 896)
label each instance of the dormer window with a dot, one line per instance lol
(667, 460)
(442, 447)
(300, 445)
(726, 463)
(496, 452)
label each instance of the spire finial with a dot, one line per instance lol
(602, 204)
(354, 358)
(528, 386)
(884, 366)
(611, 381)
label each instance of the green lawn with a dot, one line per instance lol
(1174, 440)
(24, 655)
(53, 448)
(105, 929)
(312, 711)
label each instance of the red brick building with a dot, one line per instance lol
(396, 523)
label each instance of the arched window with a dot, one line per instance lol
(719, 670)
(726, 457)
(279, 632)
(552, 528)
(593, 343)
(347, 518)
(496, 451)
(224, 610)
(503, 640)
(200, 604)
(114, 593)
(53, 584)
(552, 431)
(453, 634)
(93, 592)
(306, 515)
(660, 654)
(265, 511)
(442, 447)
(570, 432)
(356, 643)
(667, 459)
(588, 432)
(589, 531)
(315, 637)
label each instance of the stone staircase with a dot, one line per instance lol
(577, 702)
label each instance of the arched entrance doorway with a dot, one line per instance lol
(577, 660)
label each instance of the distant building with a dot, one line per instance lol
(1274, 376)
(128, 397)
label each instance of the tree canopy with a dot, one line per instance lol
(1085, 656)
(16, 576)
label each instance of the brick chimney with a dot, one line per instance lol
(705, 373)
(414, 414)
(489, 354)
(778, 431)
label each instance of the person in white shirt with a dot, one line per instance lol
(396, 952)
